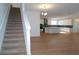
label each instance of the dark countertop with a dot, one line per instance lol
(68, 26)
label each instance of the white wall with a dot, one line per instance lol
(34, 19)
(4, 13)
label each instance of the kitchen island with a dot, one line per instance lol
(58, 28)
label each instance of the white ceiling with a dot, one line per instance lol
(57, 9)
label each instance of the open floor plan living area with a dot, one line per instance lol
(39, 28)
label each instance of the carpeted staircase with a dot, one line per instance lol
(14, 43)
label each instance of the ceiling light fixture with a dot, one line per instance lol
(44, 12)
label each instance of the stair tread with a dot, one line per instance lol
(15, 34)
(13, 51)
(14, 31)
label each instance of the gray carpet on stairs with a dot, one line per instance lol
(14, 43)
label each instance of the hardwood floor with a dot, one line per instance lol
(56, 44)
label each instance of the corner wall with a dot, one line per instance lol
(34, 20)
(4, 13)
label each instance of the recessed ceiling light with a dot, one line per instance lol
(45, 6)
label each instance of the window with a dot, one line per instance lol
(52, 21)
(55, 21)
(65, 22)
